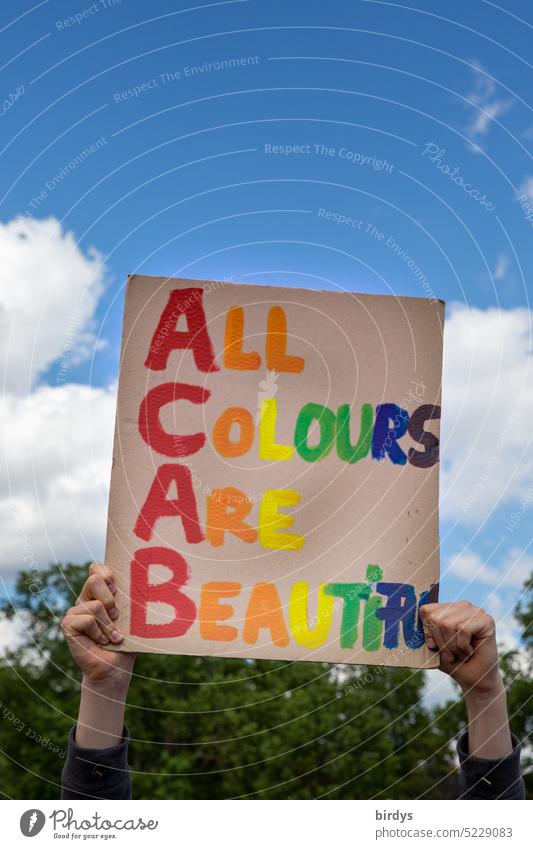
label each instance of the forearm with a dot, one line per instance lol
(488, 754)
(101, 715)
(489, 735)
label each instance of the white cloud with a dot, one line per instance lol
(487, 106)
(53, 491)
(505, 580)
(439, 688)
(507, 630)
(525, 188)
(487, 411)
(486, 113)
(57, 440)
(12, 633)
(49, 290)
(512, 571)
(501, 268)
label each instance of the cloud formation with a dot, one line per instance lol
(487, 460)
(525, 189)
(511, 571)
(501, 268)
(57, 439)
(504, 579)
(49, 290)
(53, 494)
(487, 106)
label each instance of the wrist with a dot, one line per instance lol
(112, 687)
(101, 714)
(489, 735)
(485, 691)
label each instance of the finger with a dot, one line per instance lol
(430, 639)
(464, 631)
(440, 625)
(475, 630)
(95, 588)
(427, 609)
(448, 663)
(98, 611)
(106, 572)
(484, 625)
(464, 624)
(431, 615)
(457, 639)
(79, 625)
(444, 607)
(425, 612)
(435, 636)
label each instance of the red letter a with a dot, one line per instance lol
(169, 592)
(157, 504)
(187, 302)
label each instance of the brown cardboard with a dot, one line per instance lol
(357, 349)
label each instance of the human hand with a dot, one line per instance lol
(88, 626)
(465, 636)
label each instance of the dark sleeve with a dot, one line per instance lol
(96, 773)
(481, 778)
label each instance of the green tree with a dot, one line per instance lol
(216, 728)
(517, 668)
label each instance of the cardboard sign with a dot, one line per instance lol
(274, 491)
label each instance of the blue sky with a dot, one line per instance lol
(126, 125)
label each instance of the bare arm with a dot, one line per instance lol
(106, 675)
(465, 636)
